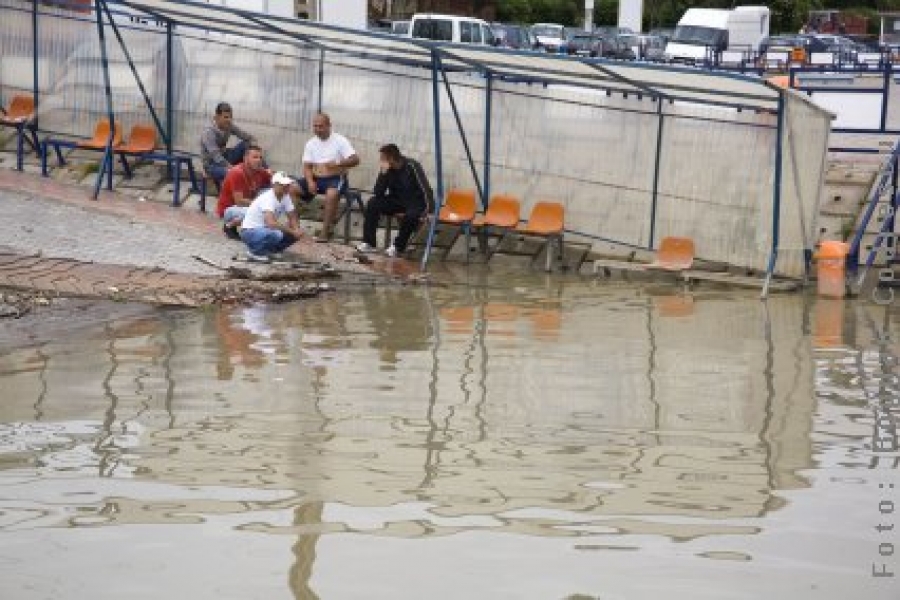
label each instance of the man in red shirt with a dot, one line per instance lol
(242, 184)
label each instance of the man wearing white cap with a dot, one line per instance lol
(262, 229)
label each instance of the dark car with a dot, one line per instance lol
(646, 47)
(664, 32)
(582, 43)
(514, 37)
(616, 47)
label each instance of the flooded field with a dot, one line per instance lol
(550, 438)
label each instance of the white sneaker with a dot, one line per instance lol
(257, 257)
(391, 251)
(364, 248)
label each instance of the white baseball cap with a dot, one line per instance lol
(281, 178)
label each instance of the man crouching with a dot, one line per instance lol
(266, 237)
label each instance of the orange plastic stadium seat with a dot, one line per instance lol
(21, 108)
(141, 140)
(503, 211)
(458, 210)
(101, 133)
(674, 254)
(547, 220)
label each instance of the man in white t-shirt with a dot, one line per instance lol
(262, 230)
(326, 159)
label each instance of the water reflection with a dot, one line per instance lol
(617, 417)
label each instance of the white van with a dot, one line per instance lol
(451, 28)
(702, 32)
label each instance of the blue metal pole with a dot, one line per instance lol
(106, 163)
(488, 93)
(439, 171)
(137, 77)
(655, 194)
(321, 79)
(885, 98)
(462, 134)
(170, 92)
(776, 195)
(34, 62)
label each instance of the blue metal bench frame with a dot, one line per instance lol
(20, 127)
(174, 162)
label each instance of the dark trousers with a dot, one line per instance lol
(391, 205)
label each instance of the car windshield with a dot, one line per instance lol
(433, 29)
(547, 31)
(695, 34)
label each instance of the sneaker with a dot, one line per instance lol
(365, 248)
(257, 257)
(391, 251)
(231, 232)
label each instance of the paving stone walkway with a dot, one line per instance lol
(59, 242)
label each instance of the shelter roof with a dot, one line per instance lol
(676, 83)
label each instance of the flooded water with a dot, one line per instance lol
(550, 438)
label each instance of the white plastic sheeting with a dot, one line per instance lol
(595, 150)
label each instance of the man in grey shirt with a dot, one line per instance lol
(214, 154)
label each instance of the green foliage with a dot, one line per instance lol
(565, 12)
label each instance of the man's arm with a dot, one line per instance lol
(423, 184)
(310, 177)
(294, 224)
(381, 184)
(272, 223)
(210, 148)
(241, 134)
(349, 162)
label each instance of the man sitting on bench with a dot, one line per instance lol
(327, 157)
(215, 156)
(401, 187)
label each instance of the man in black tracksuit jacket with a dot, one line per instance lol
(401, 187)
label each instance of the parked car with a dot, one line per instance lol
(609, 46)
(514, 37)
(582, 43)
(450, 28)
(550, 37)
(664, 32)
(646, 47)
(616, 47)
(400, 28)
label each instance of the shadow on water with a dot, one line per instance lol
(553, 436)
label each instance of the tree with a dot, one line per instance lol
(514, 11)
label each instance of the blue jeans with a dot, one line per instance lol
(233, 156)
(235, 213)
(265, 241)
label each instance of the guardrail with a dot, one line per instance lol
(885, 235)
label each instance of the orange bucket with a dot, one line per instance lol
(832, 261)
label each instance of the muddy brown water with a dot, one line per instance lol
(547, 438)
